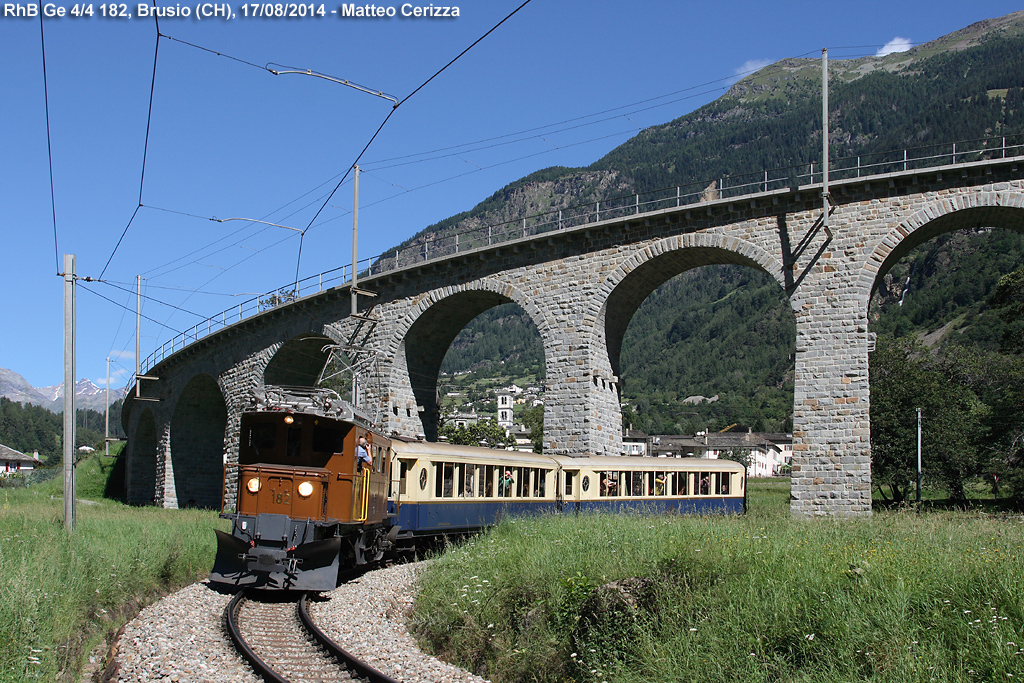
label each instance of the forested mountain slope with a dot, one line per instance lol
(728, 331)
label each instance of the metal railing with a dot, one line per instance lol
(443, 246)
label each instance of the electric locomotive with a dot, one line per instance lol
(306, 506)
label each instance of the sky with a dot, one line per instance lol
(192, 126)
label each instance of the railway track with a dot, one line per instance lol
(279, 640)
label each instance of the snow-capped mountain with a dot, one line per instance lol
(87, 395)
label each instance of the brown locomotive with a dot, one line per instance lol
(306, 507)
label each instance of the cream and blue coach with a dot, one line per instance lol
(440, 488)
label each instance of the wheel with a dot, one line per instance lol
(369, 546)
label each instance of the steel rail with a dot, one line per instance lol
(259, 666)
(359, 667)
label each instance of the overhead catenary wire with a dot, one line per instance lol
(388, 117)
(145, 149)
(313, 222)
(119, 305)
(49, 146)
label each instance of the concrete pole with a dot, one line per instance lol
(824, 134)
(918, 455)
(355, 262)
(355, 235)
(69, 392)
(106, 427)
(138, 327)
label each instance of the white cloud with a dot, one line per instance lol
(897, 44)
(748, 67)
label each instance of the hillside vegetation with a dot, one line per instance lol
(726, 331)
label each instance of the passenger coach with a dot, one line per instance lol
(443, 488)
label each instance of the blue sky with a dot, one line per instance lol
(227, 138)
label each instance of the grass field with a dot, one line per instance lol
(900, 596)
(60, 594)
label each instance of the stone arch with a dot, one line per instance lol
(426, 332)
(633, 281)
(142, 474)
(975, 210)
(197, 443)
(298, 362)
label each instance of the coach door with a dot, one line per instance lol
(568, 490)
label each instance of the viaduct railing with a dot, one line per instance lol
(443, 246)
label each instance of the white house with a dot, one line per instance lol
(12, 461)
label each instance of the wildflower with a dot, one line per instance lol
(809, 636)
(692, 629)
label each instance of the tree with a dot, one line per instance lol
(741, 455)
(1008, 300)
(904, 378)
(488, 431)
(534, 419)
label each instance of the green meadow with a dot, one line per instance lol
(899, 596)
(61, 594)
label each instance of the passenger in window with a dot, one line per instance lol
(659, 485)
(705, 484)
(725, 488)
(505, 485)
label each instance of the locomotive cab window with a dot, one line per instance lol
(260, 443)
(328, 440)
(294, 449)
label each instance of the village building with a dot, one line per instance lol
(634, 443)
(12, 461)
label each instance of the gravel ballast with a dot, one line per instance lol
(182, 637)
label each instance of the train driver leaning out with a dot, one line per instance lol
(362, 454)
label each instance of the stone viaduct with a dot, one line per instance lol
(581, 286)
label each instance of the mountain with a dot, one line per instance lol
(964, 85)
(727, 330)
(87, 395)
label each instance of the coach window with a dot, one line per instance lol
(468, 481)
(568, 482)
(489, 481)
(445, 479)
(722, 483)
(542, 480)
(480, 483)
(704, 484)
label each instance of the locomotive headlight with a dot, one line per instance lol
(305, 489)
(253, 485)
(288, 419)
